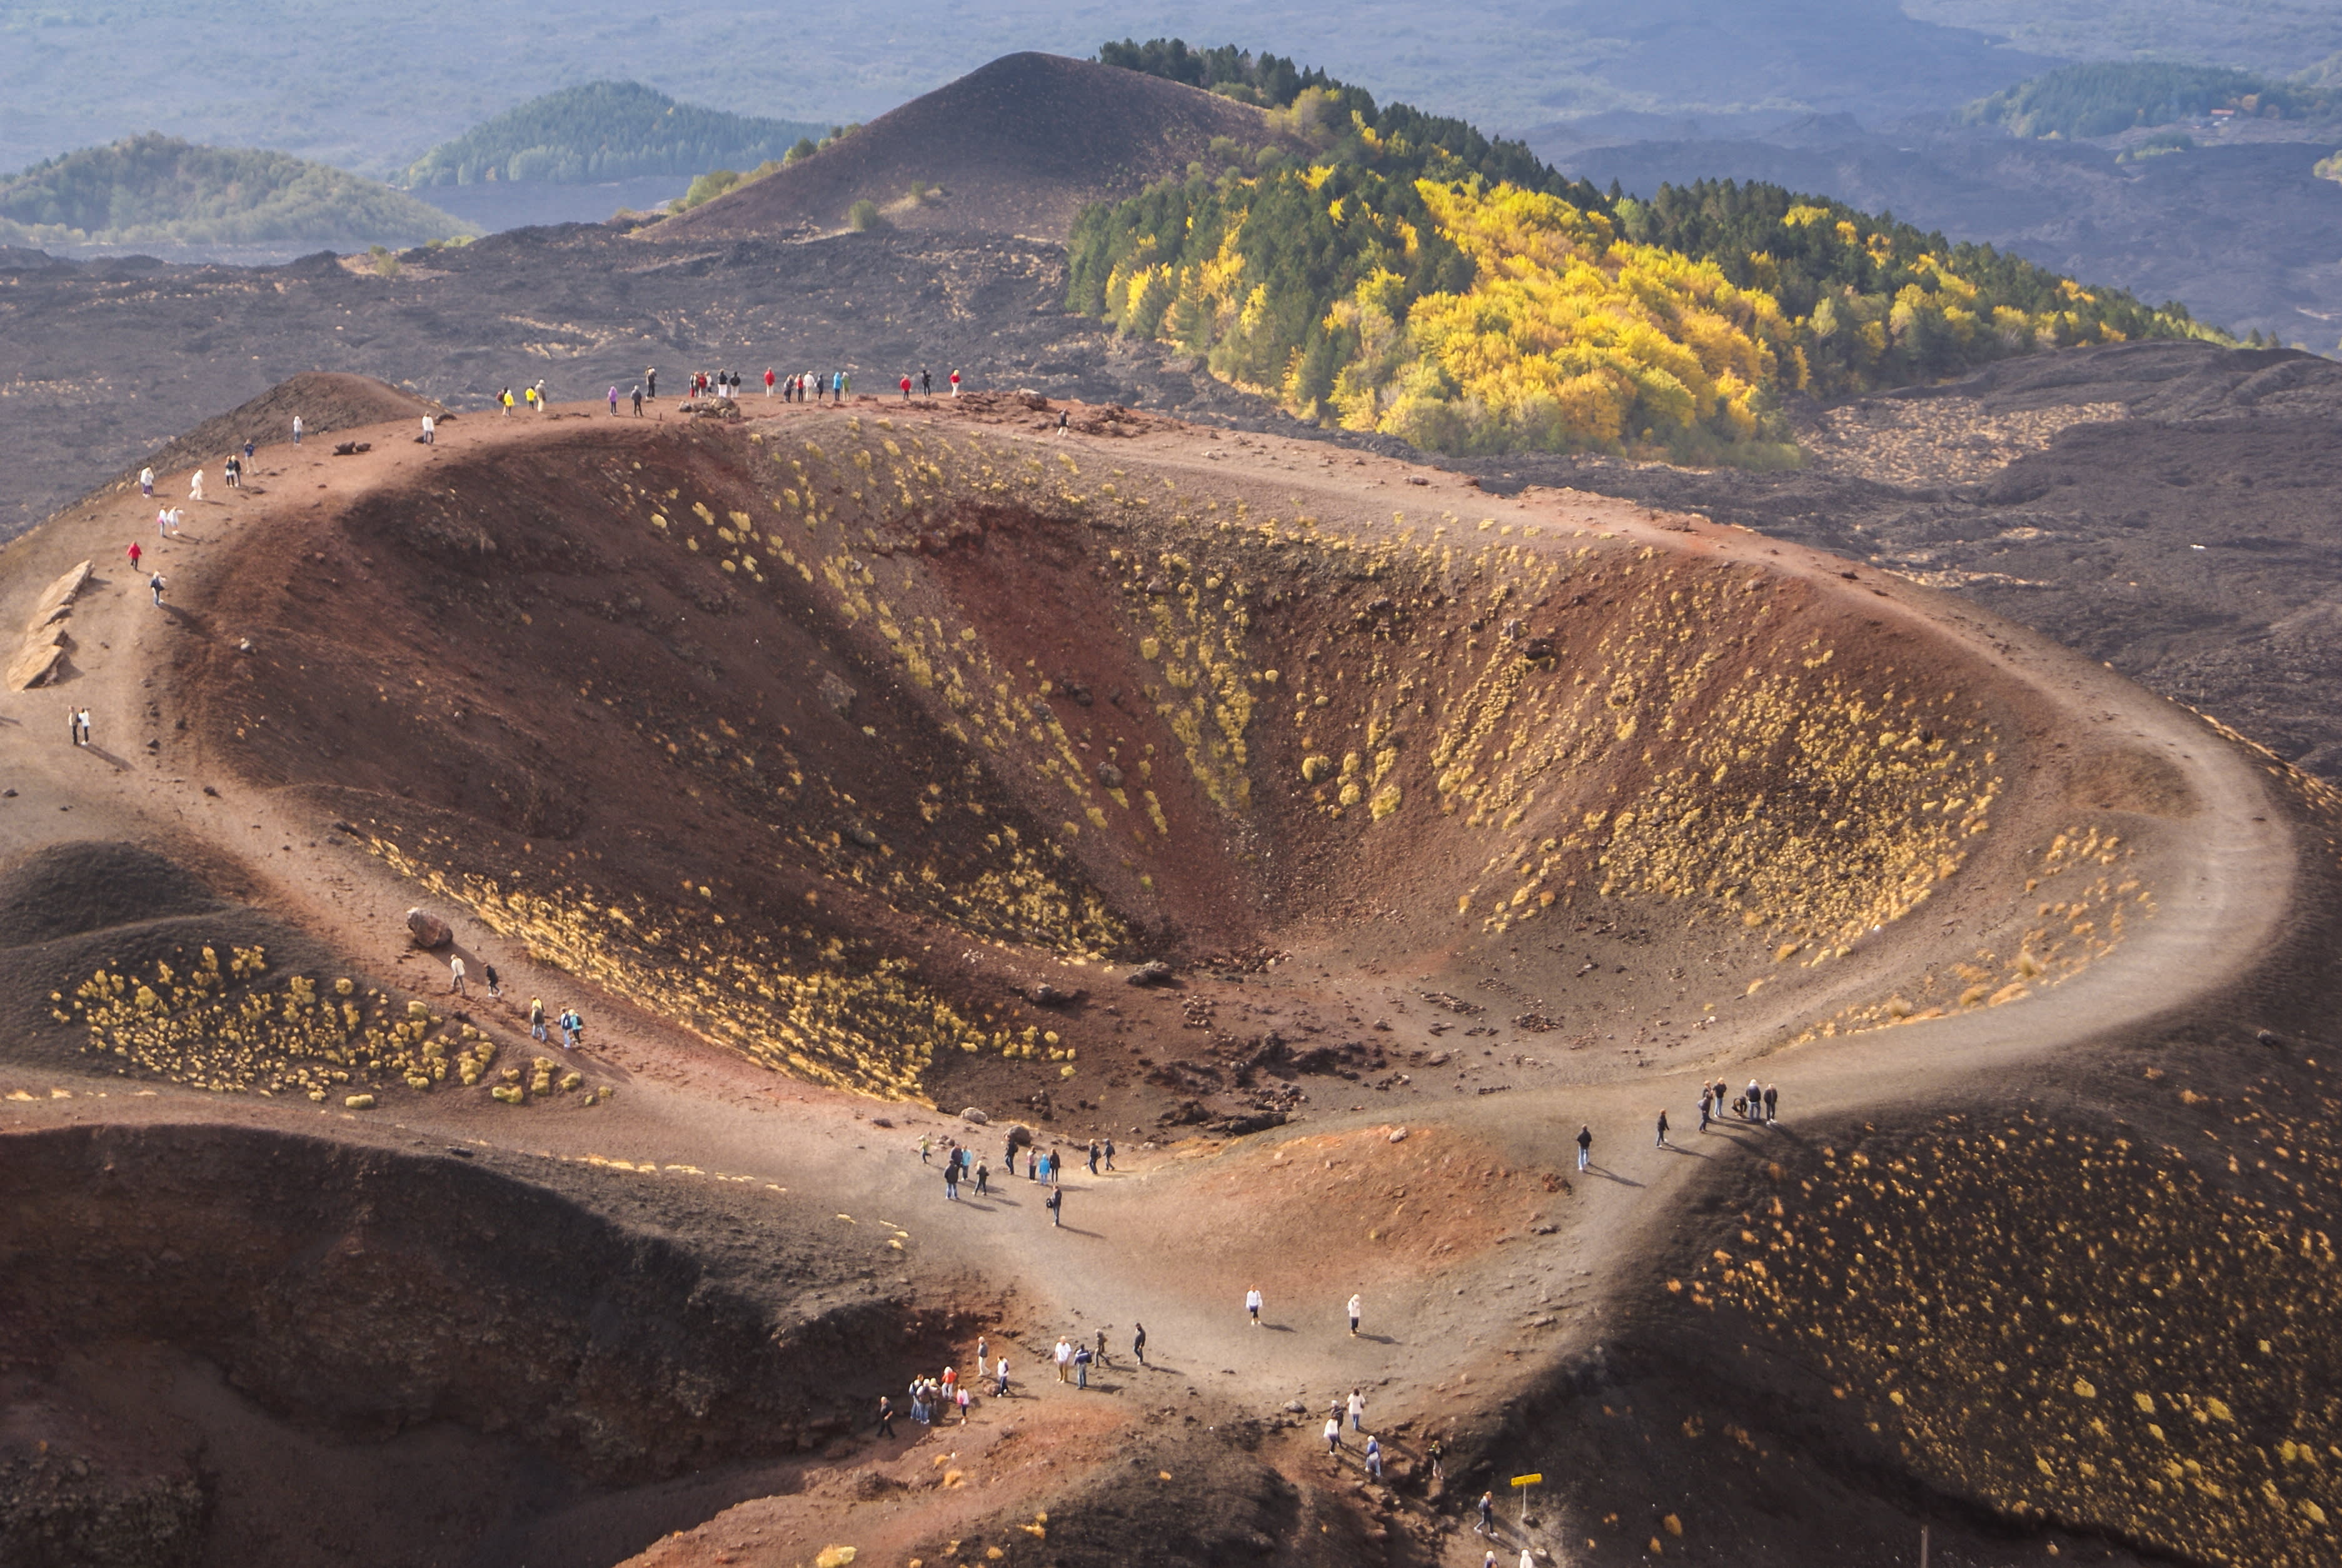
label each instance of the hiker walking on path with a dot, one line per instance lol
(982, 1179)
(77, 726)
(145, 481)
(955, 383)
(1138, 1344)
(907, 386)
(769, 379)
(1252, 1305)
(1374, 1458)
(1082, 1359)
(195, 486)
(614, 400)
(296, 430)
(537, 1017)
(1056, 1207)
(1584, 1147)
(1355, 1305)
(926, 385)
(134, 553)
(1333, 1436)
(456, 974)
(232, 472)
(638, 400)
(1706, 1099)
(1357, 1409)
(496, 988)
(885, 1416)
(1663, 1128)
(1064, 1357)
(1488, 1525)
(1000, 1373)
(1772, 1103)
(430, 431)
(650, 379)
(951, 1178)
(156, 584)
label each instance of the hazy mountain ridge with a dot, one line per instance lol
(156, 189)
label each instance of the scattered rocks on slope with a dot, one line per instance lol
(1154, 972)
(428, 930)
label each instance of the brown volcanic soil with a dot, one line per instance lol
(1019, 146)
(325, 401)
(820, 740)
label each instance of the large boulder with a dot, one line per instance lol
(428, 930)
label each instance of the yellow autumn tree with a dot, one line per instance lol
(1568, 337)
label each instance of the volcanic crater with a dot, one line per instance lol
(854, 766)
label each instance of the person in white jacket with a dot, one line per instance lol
(195, 486)
(1354, 1306)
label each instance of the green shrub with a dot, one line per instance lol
(863, 216)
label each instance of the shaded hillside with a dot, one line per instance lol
(156, 189)
(601, 132)
(1020, 147)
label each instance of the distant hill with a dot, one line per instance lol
(601, 132)
(1408, 275)
(2108, 97)
(157, 190)
(1020, 147)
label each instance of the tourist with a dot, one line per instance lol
(982, 1179)
(156, 584)
(926, 1142)
(1706, 1099)
(638, 400)
(768, 380)
(1109, 1153)
(296, 430)
(145, 481)
(907, 386)
(1001, 1373)
(951, 1179)
(1064, 1358)
(134, 553)
(885, 1416)
(955, 383)
(1252, 1305)
(1772, 1103)
(1139, 1345)
(195, 486)
(1374, 1458)
(495, 989)
(1355, 1305)
(1333, 1436)
(614, 400)
(537, 1017)
(650, 379)
(456, 974)
(1056, 1207)
(1358, 1408)
(1663, 1128)
(430, 431)
(1585, 1148)
(1082, 1359)
(1488, 1525)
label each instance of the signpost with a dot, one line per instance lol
(1521, 1483)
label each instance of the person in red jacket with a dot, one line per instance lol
(768, 380)
(907, 386)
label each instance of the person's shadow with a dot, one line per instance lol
(1607, 1174)
(1378, 1338)
(105, 756)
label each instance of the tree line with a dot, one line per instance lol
(604, 131)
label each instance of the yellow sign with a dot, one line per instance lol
(1528, 1480)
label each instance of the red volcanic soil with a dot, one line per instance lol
(845, 765)
(1020, 147)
